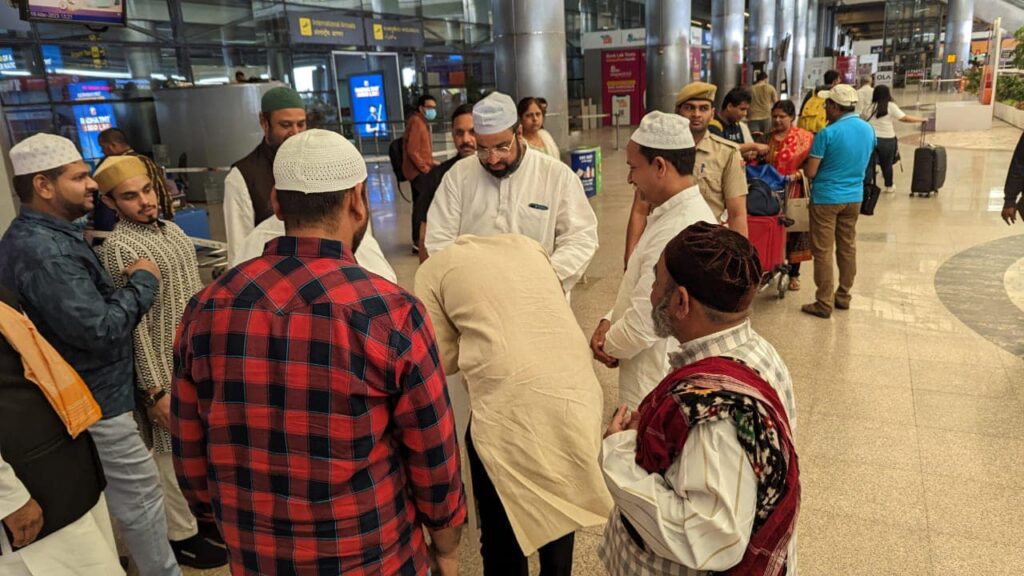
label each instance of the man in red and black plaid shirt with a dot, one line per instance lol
(309, 414)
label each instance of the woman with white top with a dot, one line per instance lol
(881, 114)
(531, 119)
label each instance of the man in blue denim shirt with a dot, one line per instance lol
(70, 297)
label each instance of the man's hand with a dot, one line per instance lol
(142, 264)
(623, 420)
(1010, 214)
(25, 523)
(160, 413)
(597, 345)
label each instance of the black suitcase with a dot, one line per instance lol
(929, 168)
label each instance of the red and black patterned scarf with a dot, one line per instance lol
(716, 389)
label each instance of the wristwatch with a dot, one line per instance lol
(153, 399)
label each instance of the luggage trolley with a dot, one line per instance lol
(766, 224)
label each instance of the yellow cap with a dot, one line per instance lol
(697, 91)
(116, 170)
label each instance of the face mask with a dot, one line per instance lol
(431, 114)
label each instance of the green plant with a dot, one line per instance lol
(1018, 52)
(1010, 89)
(973, 80)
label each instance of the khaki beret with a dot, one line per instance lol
(697, 91)
(117, 169)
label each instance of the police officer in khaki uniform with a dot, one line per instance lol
(719, 168)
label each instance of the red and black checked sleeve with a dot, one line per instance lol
(188, 437)
(425, 425)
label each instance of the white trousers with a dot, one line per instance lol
(83, 548)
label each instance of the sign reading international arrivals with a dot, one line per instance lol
(393, 33)
(326, 28)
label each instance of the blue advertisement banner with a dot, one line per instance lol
(369, 109)
(91, 118)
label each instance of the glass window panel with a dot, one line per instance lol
(21, 80)
(25, 122)
(11, 24)
(445, 10)
(218, 65)
(396, 7)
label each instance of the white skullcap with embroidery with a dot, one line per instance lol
(663, 131)
(317, 161)
(493, 114)
(43, 152)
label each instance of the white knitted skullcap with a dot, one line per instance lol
(42, 152)
(495, 113)
(317, 161)
(663, 131)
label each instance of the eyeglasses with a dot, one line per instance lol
(500, 151)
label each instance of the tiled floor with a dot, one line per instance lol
(911, 425)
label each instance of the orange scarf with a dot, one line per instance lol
(44, 366)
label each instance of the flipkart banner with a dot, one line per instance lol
(369, 109)
(393, 33)
(92, 118)
(622, 85)
(326, 28)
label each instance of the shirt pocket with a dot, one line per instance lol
(533, 219)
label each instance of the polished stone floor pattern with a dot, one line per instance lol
(911, 429)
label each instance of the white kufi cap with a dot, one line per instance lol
(495, 113)
(317, 161)
(663, 131)
(43, 152)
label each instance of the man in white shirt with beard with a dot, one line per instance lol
(514, 190)
(661, 154)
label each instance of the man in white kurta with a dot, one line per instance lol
(660, 155)
(536, 406)
(83, 548)
(697, 516)
(514, 190)
(248, 184)
(368, 254)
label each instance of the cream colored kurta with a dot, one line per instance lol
(502, 320)
(632, 339)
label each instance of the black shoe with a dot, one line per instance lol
(196, 552)
(415, 249)
(842, 305)
(209, 531)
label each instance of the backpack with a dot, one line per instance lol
(397, 156)
(812, 117)
(763, 190)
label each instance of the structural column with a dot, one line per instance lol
(668, 51)
(959, 25)
(813, 42)
(785, 20)
(529, 57)
(799, 50)
(761, 37)
(726, 44)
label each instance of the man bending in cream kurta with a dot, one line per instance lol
(500, 317)
(660, 156)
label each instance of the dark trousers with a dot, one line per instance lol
(419, 207)
(884, 156)
(498, 546)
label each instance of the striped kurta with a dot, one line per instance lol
(167, 246)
